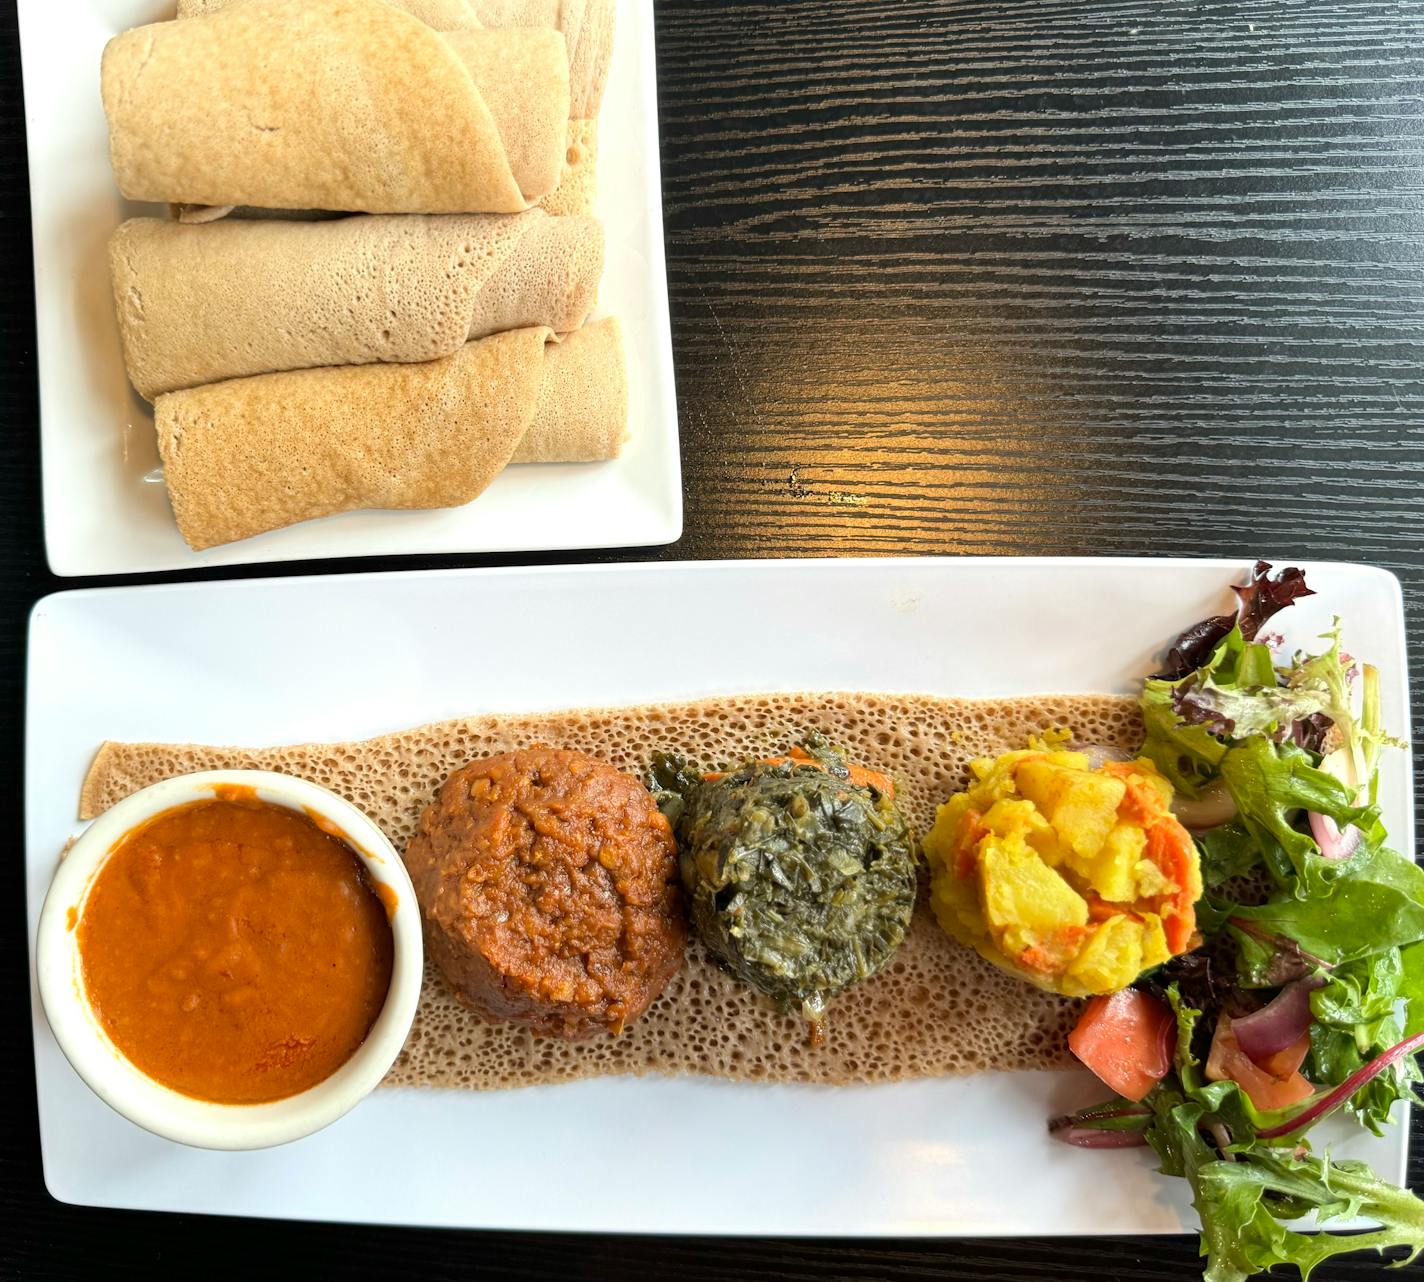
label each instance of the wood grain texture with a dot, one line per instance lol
(1041, 276)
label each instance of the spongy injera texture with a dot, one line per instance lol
(237, 297)
(937, 1009)
(335, 104)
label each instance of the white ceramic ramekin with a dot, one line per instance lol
(154, 1106)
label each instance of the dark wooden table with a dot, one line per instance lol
(1045, 276)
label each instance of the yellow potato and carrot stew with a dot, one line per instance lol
(1073, 878)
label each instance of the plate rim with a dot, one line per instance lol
(1389, 579)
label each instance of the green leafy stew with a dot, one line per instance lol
(800, 875)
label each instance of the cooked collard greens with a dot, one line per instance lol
(800, 872)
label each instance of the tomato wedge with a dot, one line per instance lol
(1285, 1062)
(1127, 1039)
(1266, 1089)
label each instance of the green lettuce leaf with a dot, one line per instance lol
(1236, 694)
(1411, 987)
(1187, 755)
(1376, 902)
(1334, 1055)
(1244, 1206)
(1238, 662)
(1272, 783)
(1175, 1134)
(1359, 1014)
(1228, 852)
(1361, 991)
(1239, 712)
(1222, 1104)
(1356, 740)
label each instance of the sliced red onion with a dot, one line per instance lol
(1116, 1124)
(1087, 1137)
(1323, 1105)
(1214, 806)
(1280, 1023)
(1333, 843)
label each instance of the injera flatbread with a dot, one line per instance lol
(937, 1009)
(586, 25)
(255, 454)
(199, 304)
(441, 15)
(336, 104)
(574, 194)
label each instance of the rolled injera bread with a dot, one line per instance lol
(443, 15)
(587, 27)
(336, 104)
(200, 304)
(574, 194)
(256, 454)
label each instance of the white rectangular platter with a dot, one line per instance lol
(97, 443)
(266, 662)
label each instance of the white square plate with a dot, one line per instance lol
(267, 662)
(97, 441)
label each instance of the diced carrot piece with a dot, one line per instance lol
(970, 833)
(1037, 959)
(1141, 804)
(860, 776)
(1127, 1039)
(1100, 910)
(1052, 955)
(864, 777)
(1169, 846)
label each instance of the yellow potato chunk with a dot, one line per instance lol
(1049, 847)
(956, 907)
(1113, 874)
(1151, 881)
(1154, 942)
(1110, 959)
(1020, 892)
(1082, 807)
(939, 841)
(1015, 818)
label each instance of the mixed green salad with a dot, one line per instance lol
(1306, 994)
